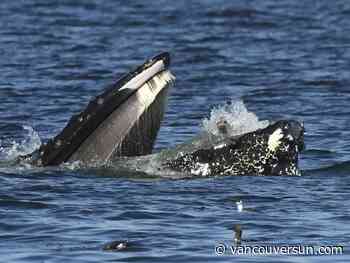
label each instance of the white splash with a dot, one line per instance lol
(72, 165)
(239, 119)
(26, 146)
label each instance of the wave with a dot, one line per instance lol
(318, 152)
(342, 168)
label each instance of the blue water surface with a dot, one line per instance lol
(284, 59)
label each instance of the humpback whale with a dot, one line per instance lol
(270, 151)
(123, 121)
(118, 129)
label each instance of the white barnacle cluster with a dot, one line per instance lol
(295, 170)
(292, 170)
(257, 153)
(275, 140)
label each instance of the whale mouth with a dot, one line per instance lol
(122, 121)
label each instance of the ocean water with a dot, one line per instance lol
(284, 59)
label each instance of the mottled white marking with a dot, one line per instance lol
(201, 169)
(274, 140)
(219, 146)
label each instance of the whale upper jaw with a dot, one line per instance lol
(122, 121)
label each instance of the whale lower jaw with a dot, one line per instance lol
(131, 129)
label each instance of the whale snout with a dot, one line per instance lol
(296, 130)
(290, 143)
(290, 132)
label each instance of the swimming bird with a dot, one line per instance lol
(238, 234)
(239, 205)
